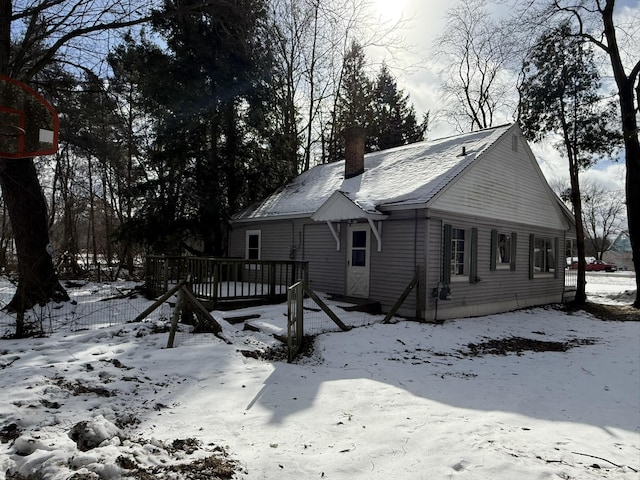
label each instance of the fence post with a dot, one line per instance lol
(272, 278)
(216, 282)
(174, 318)
(295, 319)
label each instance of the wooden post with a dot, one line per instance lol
(216, 282)
(325, 308)
(217, 329)
(402, 298)
(159, 302)
(272, 279)
(174, 318)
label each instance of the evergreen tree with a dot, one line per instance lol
(394, 120)
(211, 99)
(560, 94)
(353, 105)
(377, 105)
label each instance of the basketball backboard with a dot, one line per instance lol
(28, 123)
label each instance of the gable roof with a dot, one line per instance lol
(401, 177)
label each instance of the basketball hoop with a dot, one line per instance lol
(11, 131)
(28, 123)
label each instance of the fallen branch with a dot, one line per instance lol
(604, 460)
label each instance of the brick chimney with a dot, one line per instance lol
(353, 151)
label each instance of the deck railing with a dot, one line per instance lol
(570, 279)
(219, 279)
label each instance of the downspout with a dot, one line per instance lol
(415, 237)
(442, 289)
(415, 266)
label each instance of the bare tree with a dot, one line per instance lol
(596, 22)
(603, 217)
(312, 38)
(33, 35)
(477, 51)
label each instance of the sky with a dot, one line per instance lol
(420, 77)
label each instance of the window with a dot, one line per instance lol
(253, 245)
(359, 248)
(460, 254)
(503, 250)
(543, 255)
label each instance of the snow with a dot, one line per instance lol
(406, 175)
(404, 400)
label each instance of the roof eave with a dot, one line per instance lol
(288, 216)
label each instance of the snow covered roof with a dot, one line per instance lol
(401, 177)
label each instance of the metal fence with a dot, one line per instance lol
(91, 306)
(309, 314)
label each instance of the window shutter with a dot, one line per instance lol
(532, 240)
(446, 255)
(514, 249)
(473, 260)
(494, 250)
(556, 246)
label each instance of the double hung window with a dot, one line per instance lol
(503, 250)
(543, 255)
(253, 245)
(460, 256)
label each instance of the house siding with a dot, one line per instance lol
(501, 189)
(276, 239)
(326, 264)
(503, 185)
(393, 268)
(498, 290)
(302, 240)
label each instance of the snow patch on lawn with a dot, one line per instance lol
(538, 393)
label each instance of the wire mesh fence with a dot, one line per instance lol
(351, 314)
(97, 305)
(91, 306)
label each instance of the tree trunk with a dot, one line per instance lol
(630, 134)
(581, 293)
(38, 282)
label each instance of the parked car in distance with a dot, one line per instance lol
(597, 266)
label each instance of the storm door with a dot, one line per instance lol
(359, 243)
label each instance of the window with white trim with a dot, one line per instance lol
(460, 259)
(253, 245)
(503, 250)
(544, 255)
(459, 253)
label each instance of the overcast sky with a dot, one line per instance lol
(420, 77)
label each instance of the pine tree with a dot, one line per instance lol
(378, 106)
(394, 121)
(211, 103)
(353, 105)
(560, 94)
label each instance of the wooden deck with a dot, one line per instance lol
(219, 281)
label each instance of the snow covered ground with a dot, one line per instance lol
(494, 397)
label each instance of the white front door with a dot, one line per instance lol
(359, 242)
